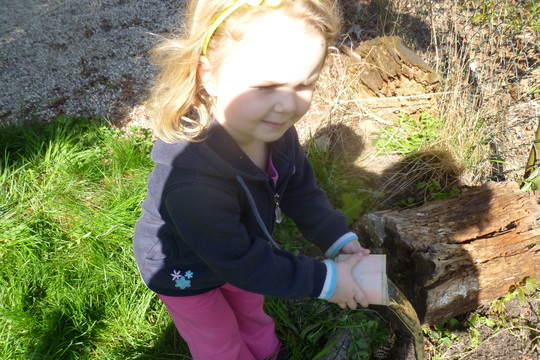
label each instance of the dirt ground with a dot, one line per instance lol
(519, 339)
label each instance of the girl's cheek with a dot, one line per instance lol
(305, 100)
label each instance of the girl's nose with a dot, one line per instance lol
(286, 102)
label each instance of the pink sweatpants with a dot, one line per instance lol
(224, 324)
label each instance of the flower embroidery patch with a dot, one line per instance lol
(182, 281)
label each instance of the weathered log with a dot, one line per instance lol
(451, 255)
(388, 76)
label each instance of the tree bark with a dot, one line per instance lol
(449, 256)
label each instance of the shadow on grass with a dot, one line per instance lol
(67, 333)
(168, 346)
(412, 181)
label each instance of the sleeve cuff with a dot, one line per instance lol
(330, 281)
(334, 249)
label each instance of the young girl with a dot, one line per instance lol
(228, 164)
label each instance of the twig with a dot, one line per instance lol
(109, 231)
(399, 97)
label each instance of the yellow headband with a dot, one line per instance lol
(228, 11)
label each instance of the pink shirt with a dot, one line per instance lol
(271, 170)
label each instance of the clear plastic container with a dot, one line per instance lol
(370, 275)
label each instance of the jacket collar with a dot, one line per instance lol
(220, 142)
(219, 153)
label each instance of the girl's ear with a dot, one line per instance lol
(206, 76)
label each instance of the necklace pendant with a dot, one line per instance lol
(279, 215)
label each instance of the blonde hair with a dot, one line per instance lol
(181, 106)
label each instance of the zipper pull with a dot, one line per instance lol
(279, 215)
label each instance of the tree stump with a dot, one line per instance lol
(451, 255)
(390, 77)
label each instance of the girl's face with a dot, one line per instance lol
(265, 82)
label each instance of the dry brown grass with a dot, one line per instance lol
(487, 73)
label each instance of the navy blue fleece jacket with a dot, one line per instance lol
(198, 229)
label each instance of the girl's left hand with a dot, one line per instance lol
(354, 247)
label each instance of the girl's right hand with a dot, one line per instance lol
(347, 293)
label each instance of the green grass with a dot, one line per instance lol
(409, 134)
(70, 194)
(347, 188)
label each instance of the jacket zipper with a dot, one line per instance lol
(278, 196)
